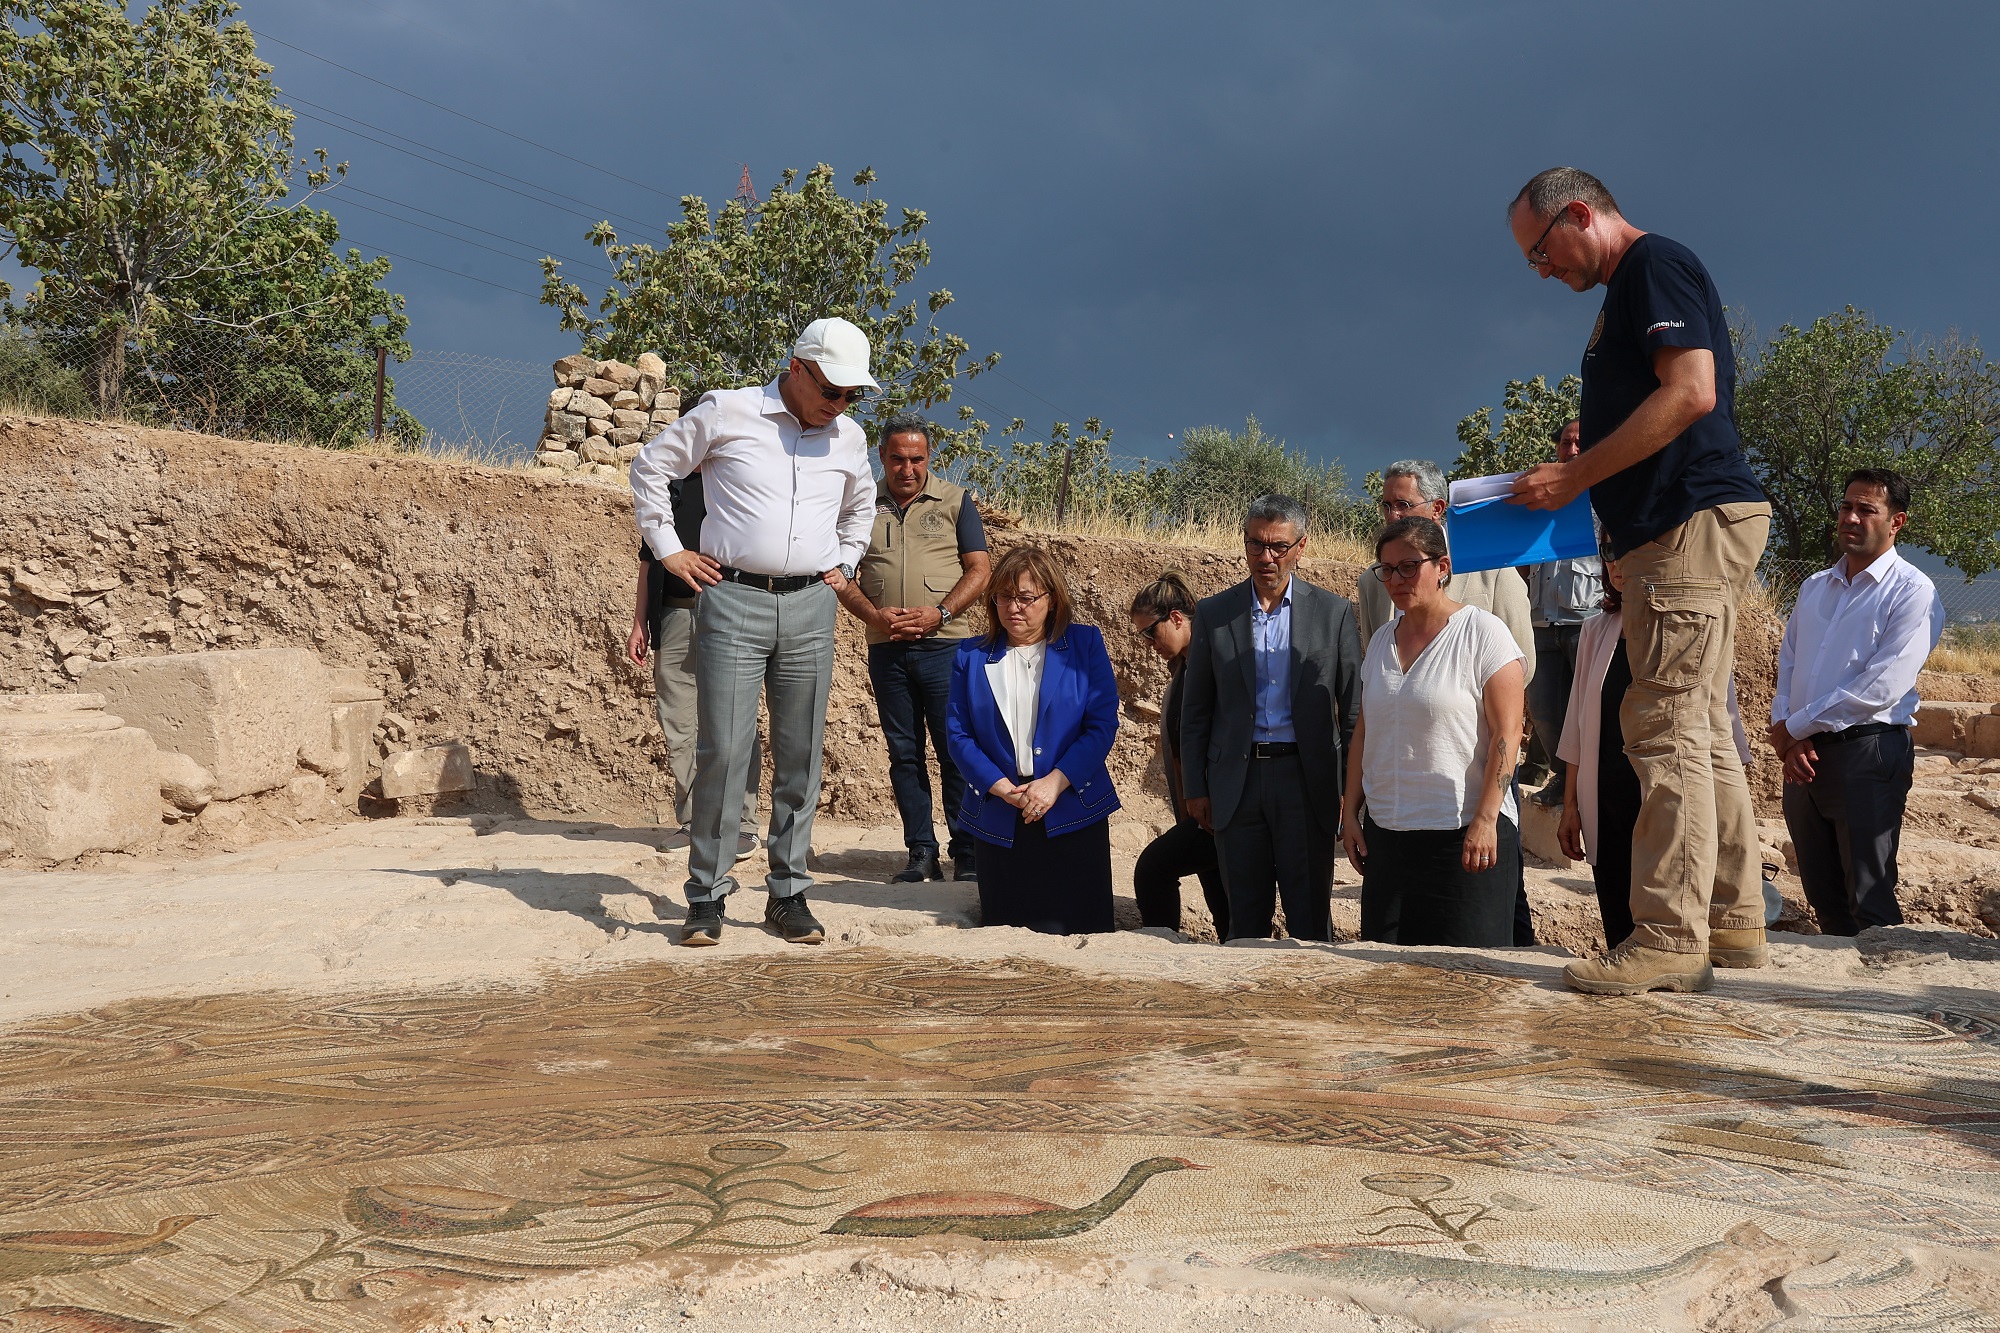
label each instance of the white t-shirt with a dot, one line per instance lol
(1425, 753)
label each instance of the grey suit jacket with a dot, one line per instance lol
(1219, 712)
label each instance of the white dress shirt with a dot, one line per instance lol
(1016, 682)
(781, 499)
(1853, 647)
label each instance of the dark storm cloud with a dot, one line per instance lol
(1174, 214)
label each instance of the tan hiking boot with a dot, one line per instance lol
(1632, 968)
(1738, 948)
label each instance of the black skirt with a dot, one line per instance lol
(1059, 886)
(1417, 891)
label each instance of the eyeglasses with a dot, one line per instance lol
(1276, 550)
(1021, 599)
(1403, 569)
(1151, 632)
(1537, 258)
(1402, 506)
(828, 392)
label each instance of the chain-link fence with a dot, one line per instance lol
(1966, 603)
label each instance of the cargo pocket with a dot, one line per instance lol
(1675, 653)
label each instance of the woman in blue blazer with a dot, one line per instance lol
(1034, 708)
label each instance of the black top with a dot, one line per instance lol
(1617, 780)
(1170, 719)
(1661, 296)
(689, 511)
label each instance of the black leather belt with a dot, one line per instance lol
(1855, 733)
(1273, 749)
(779, 583)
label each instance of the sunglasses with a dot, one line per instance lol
(827, 391)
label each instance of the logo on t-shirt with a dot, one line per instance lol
(1665, 324)
(1596, 332)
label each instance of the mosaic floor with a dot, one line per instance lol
(1437, 1143)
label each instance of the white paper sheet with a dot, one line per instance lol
(1474, 490)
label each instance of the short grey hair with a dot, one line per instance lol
(1559, 187)
(908, 423)
(1428, 476)
(1275, 508)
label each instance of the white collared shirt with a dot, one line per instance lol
(782, 499)
(1853, 647)
(1016, 682)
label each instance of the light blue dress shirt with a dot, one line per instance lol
(1271, 634)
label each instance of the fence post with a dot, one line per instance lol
(381, 368)
(1062, 492)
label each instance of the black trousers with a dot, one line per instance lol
(1185, 849)
(1846, 825)
(1274, 850)
(1416, 890)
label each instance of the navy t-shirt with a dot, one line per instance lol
(1661, 296)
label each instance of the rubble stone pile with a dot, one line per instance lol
(600, 412)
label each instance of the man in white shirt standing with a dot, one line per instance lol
(791, 498)
(1846, 700)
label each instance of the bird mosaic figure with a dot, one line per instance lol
(25, 1254)
(989, 1215)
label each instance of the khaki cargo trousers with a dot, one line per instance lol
(1695, 865)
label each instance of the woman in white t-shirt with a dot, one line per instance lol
(1442, 692)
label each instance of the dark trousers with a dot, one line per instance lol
(1273, 850)
(1548, 692)
(1416, 890)
(1524, 916)
(1185, 849)
(912, 684)
(1846, 825)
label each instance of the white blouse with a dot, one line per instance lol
(1424, 758)
(1016, 682)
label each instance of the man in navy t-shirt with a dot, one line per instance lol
(1687, 521)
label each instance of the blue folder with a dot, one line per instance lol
(1491, 533)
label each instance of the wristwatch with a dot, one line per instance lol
(847, 572)
(944, 615)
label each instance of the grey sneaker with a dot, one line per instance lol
(703, 926)
(746, 843)
(793, 920)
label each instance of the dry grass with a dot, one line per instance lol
(1224, 538)
(1968, 650)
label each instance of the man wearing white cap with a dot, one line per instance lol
(791, 501)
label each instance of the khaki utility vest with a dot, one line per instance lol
(912, 557)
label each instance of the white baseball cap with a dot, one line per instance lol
(839, 350)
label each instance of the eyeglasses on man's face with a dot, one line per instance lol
(1538, 258)
(827, 391)
(1398, 508)
(1018, 598)
(1402, 569)
(1276, 550)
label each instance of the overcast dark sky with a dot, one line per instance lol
(1168, 214)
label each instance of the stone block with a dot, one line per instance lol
(1539, 825)
(663, 416)
(625, 419)
(74, 779)
(351, 685)
(425, 772)
(354, 724)
(625, 401)
(650, 363)
(1982, 736)
(626, 453)
(668, 400)
(567, 425)
(599, 429)
(549, 444)
(626, 436)
(591, 406)
(564, 460)
(620, 374)
(559, 398)
(598, 387)
(609, 471)
(598, 451)
(184, 784)
(245, 716)
(1942, 725)
(574, 365)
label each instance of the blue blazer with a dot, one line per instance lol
(1075, 721)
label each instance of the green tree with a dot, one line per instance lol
(1533, 413)
(1846, 392)
(144, 168)
(1067, 475)
(727, 295)
(1216, 473)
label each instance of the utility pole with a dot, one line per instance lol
(1062, 494)
(381, 370)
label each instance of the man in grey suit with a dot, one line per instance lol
(1273, 689)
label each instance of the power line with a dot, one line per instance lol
(439, 231)
(452, 111)
(469, 277)
(341, 115)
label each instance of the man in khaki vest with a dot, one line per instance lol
(926, 565)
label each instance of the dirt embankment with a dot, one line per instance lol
(491, 605)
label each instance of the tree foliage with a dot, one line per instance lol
(1532, 413)
(1847, 392)
(145, 174)
(724, 299)
(1069, 474)
(1217, 473)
